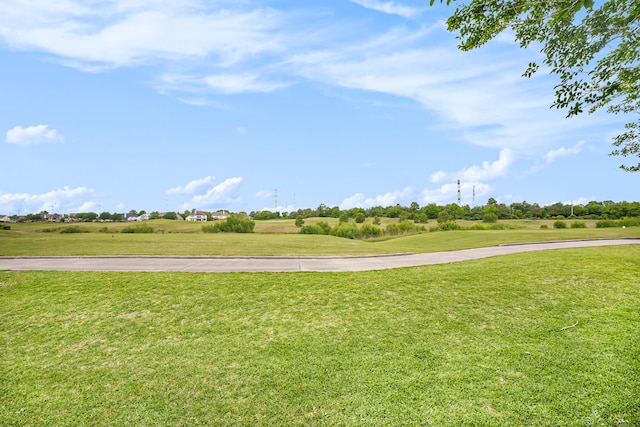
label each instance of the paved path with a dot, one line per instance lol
(280, 264)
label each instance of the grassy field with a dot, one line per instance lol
(272, 238)
(528, 339)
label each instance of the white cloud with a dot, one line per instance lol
(263, 194)
(563, 152)
(359, 200)
(221, 193)
(448, 193)
(238, 83)
(38, 134)
(90, 206)
(114, 34)
(63, 199)
(389, 7)
(192, 187)
(487, 171)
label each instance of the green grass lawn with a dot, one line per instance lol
(477, 343)
(186, 239)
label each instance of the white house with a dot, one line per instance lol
(219, 215)
(197, 216)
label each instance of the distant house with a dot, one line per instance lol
(219, 215)
(53, 217)
(5, 218)
(129, 217)
(197, 216)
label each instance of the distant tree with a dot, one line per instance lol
(299, 221)
(170, 215)
(443, 217)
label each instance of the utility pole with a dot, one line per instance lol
(459, 195)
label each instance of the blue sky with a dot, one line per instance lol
(113, 105)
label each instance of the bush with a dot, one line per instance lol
(578, 224)
(230, 225)
(140, 228)
(405, 226)
(629, 222)
(544, 227)
(5, 227)
(606, 223)
(321, 227)
(490, 218)
(559, 224)
(370, 230)
(347, 230)
(449, 225)
(477, 227)
(73, 229)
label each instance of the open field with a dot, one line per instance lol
(181, 238)
(529, 339)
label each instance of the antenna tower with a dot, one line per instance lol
(459, 196)
(275, 196)
(474, 195)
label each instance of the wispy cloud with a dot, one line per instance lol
(113, 35)
(474, 180)
(389, 7)
(63, 199)
(486, 171)
(391, 198)
(30, 135)
(264, 194)
(238, 83)
(192, 186)
(564, 152)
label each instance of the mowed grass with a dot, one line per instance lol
(186, 240)
(476, 343)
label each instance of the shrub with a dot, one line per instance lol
(544, 227)
(443, 216)
(449, 225)
(299, 221)
(490, 218)
(73, 229)
(321, 227)
(5, 227)
(559, 224)
(578, 224)
(606, 223)
(629, 222)
(370, 230)
(347, 230)
(140, 228)
(404, 226)
(230, 225)
(477, 227)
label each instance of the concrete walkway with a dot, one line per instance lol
(284, 264)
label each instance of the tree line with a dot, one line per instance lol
(489, 212)
(423, 214)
